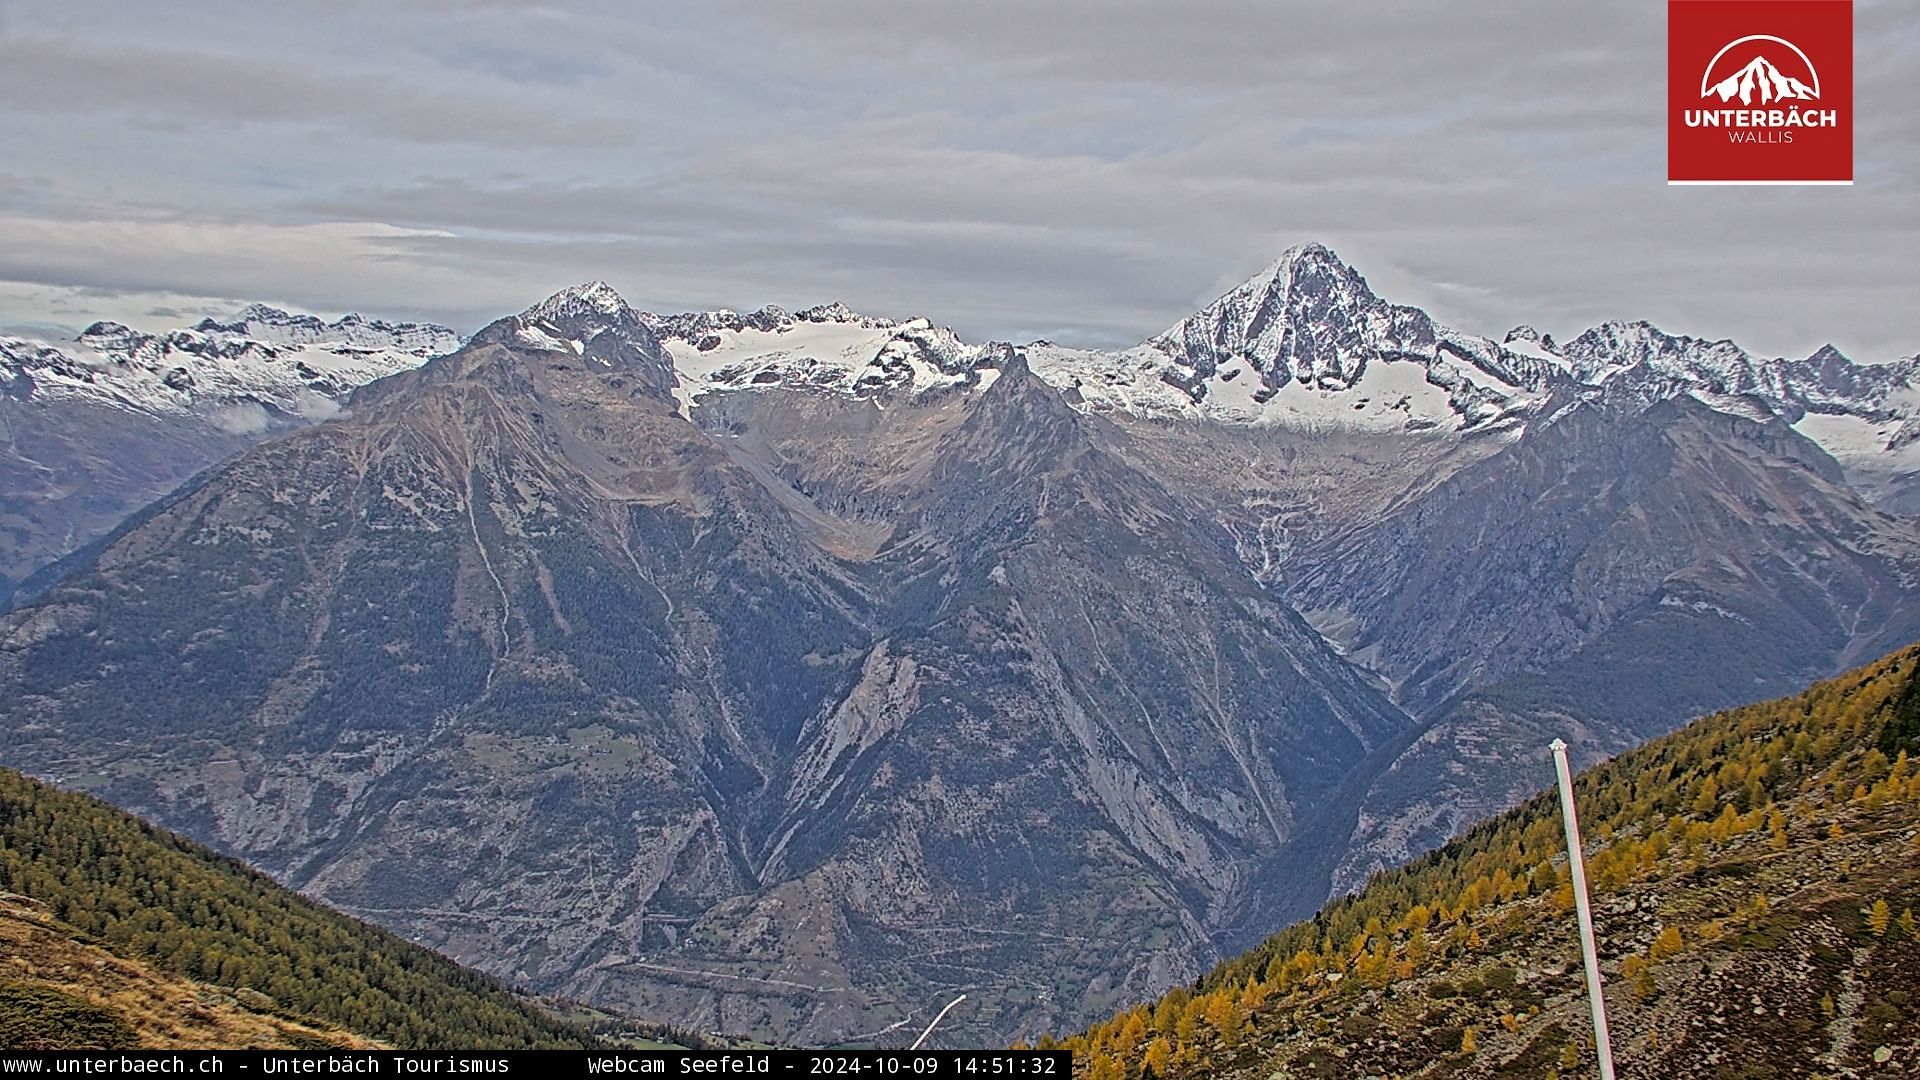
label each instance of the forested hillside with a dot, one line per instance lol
(143, 915)
(60, 990)
(1755, 878)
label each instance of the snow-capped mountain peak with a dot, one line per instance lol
(837, 312)
(107, 336)
(590, 298)
(1307, 286)
(1526, 335)
(589, 320)
(1318, 347)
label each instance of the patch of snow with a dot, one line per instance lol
(1531, 349)
(1733, 404)
(535, 337)
(1872, 454)
(1126, 382)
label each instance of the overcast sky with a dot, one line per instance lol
(1088, 171)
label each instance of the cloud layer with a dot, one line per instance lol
(1084, 171)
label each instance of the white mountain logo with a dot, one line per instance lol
(1760, 81)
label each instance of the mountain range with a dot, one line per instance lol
(780, 673)
(94, 428)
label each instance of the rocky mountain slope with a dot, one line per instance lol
(118, 934)
(1604, 576)
(519, 660)
(1495, 542)
(1755, 882)
(95, 428)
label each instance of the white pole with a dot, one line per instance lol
(1602, 1041)
(941, 1015)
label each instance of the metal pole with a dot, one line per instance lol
(941, 1015)
(1602, 1041)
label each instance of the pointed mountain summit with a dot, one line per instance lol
(1020, 432)
(1527, 334)
(1294, 315)
(1762, 82)
(590, 322)
(582, 313)
(1310, 322)
(837, 312)
(594, 298)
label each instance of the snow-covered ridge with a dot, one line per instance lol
(1867, 416)
(1307, 344)
(828, 348)
(258, 322)
(1442, 381)
(264, 366)
(695, 327)
(1656, 364)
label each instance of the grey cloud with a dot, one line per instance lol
(193, 90)
(1353, 51)
(315, 406)
(39, 331)
(1126, 247)
(240, 418)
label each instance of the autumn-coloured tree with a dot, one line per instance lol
(1158, 1058)
(1670, 942)
(1880, 917)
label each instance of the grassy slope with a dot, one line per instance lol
(112, 915)
(1755, 876)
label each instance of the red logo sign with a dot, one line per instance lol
(1760, 91)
